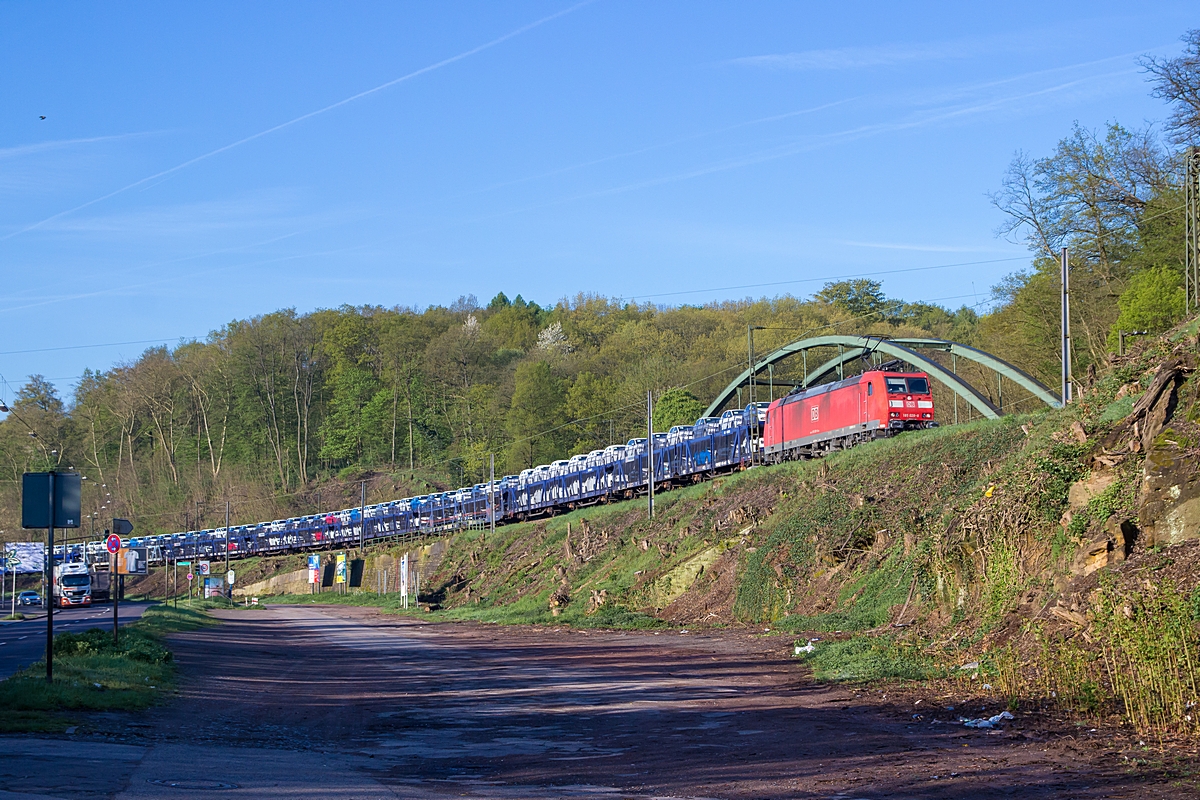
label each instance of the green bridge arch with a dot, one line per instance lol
(851, 348)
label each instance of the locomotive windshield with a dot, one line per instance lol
(911, 386)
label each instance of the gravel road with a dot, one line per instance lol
(340, 702)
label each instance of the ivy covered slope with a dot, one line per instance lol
(1009, 541)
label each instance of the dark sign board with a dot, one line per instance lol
(356, 572)
(35, 499)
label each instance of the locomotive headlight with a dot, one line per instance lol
(927, 416)
(893, 413)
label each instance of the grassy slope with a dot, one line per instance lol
(91, 673)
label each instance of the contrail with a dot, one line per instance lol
(309, 115)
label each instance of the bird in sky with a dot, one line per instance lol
(41, 116)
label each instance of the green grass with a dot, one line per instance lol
(867, 658)
(92, 673)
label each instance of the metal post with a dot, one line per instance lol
(650, 451)
(750, 351)
(492, 491)
(174, 584)
(804, 358)
(362, 519)
(954, 369)
(1191, 213)
(771, 378)
(1066, 327)
(113, 578)
(48, 595)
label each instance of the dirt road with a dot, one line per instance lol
(346, 703)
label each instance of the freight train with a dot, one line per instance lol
(806, 423)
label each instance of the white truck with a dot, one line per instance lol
(72, 585)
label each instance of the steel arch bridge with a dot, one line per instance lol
(852, 348)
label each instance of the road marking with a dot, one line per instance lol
(22, 637)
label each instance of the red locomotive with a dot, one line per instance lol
(835, 416)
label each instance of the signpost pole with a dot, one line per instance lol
(227, 536)
(116, 594)
(48, 598)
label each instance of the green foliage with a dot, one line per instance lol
(676, 406)
(1151, 645)
(868, 658)
(1153, 302)
(91, 672)
(859, 296)
(537, 409)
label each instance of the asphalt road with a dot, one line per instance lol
(346, 704)
(22, 643)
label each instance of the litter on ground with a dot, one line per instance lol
(986, 722)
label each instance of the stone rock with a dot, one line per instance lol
(1093, 556)
(1169, 498)
(1083, 490)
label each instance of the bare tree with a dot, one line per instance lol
(1177, 80)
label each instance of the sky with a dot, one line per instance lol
(166, 168)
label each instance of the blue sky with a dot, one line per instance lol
(205, 162)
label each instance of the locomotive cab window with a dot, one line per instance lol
(870, 389)
(896, 386)
(918, 386)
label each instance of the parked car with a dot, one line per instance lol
(29, 599)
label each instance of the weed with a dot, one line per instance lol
(867, 658)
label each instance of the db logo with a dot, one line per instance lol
(813, 413)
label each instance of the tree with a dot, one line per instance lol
(859, 297)
(676, 406)
(1092, 195)
(590, 403)
(1153, 302)
(535, 416)
(1177, 80)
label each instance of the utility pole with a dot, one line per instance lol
(492, 492)
(750, 329)
(1191, 214)
(362, 519)
(650, 450)
(1066, 328)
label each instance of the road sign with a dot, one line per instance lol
(183, 563)
(113, 543)
(122, 527)
(204, 568)
(229, 576)
(36, 502)
(190, 576)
